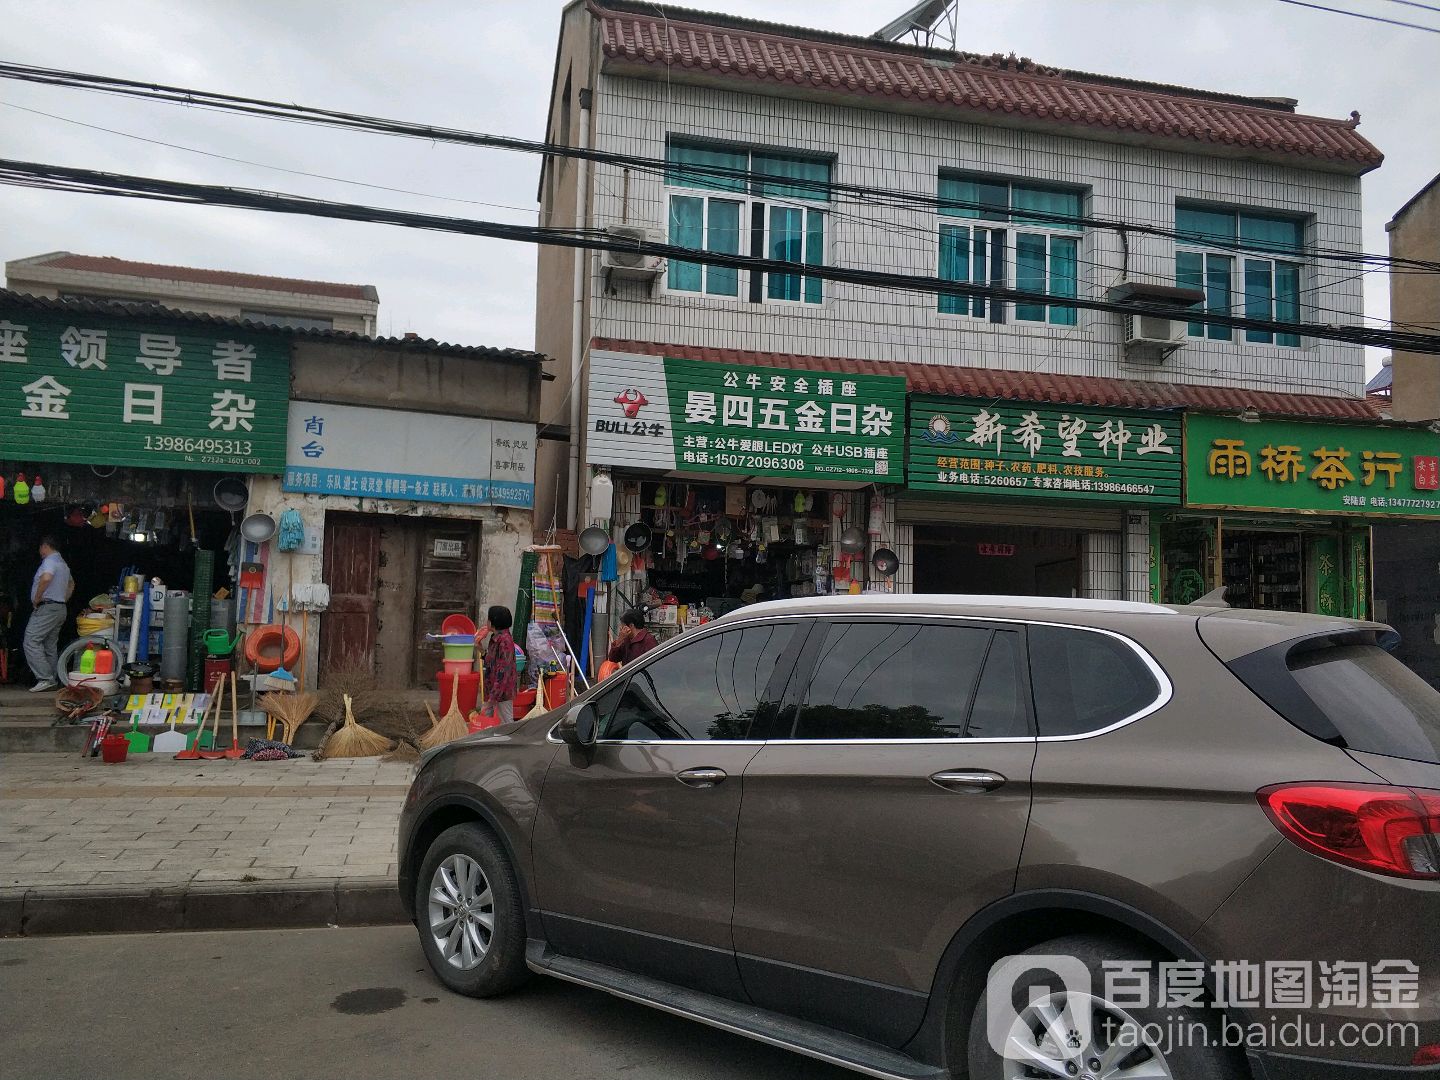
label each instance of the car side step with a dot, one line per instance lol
(763, 1025)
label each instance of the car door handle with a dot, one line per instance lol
(701, 778)
(968, 781)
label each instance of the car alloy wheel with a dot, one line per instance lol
(462, 912)
(1044, 1043)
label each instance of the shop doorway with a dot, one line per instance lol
(997, 560)
(392, 581)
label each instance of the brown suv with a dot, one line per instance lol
(937, 836)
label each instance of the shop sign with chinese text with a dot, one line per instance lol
(422, 457)
(668, 414)
(92, 390)
(1311, 468)
(990, 448)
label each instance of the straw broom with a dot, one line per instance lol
(446, 730)
(290, 709)
(353, 740)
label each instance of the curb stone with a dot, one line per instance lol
(200, 906)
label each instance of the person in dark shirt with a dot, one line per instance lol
(498, 665)
(634, 640)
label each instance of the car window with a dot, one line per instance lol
(711, 688)
(1085, 681)
(1376, 703)
(909, 680)
(999, 709)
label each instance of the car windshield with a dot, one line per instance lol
(1377, 704)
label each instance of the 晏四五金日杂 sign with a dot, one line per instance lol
(1302, 467)
(92, 390)
(1017, 449)
(741, 420)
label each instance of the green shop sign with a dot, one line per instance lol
(1311, 468)
(94, 390)
(695, 416)
(1043, 451)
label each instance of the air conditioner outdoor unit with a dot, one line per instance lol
(1154, 331)
(632, 264)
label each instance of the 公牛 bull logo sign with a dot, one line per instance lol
(631, 401)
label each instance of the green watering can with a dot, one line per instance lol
(218, 643)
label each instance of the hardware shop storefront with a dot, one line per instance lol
(734, 481)
(116, 431)
(1280, 511)
(1033, 500)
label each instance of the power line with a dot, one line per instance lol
(1416, 4)
(1362, 15)
(262, 164)
(59, 178)
(407, 129)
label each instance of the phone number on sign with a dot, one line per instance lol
(753, 461)
(182, 445)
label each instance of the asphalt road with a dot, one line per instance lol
(321, 1003)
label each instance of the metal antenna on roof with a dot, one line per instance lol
(930, 23)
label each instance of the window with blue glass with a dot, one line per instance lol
(1246, 264)
(757, 202)
(1030, 226)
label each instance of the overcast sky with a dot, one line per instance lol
(485, 65)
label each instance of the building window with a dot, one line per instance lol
(1026, 226)
(732, 199)
(1249, 274)
(291, 322)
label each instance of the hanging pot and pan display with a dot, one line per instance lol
(852, 541)
(231, 494)
(258, 528)
(885, 562)
(638, 537)
(594, 540)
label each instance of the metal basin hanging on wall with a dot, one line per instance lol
(258, 528)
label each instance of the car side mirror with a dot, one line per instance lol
(580, 727)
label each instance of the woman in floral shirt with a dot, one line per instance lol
(499, 665)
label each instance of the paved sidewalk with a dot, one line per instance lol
(72, 828)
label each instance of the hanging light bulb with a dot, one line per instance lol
(37, 489)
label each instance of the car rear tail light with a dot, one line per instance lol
(1427, 1055)
(1375, 827)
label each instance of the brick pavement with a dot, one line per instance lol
(80, 826)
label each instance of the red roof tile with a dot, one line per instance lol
(719, 46)
(106, 264)
(973, 382)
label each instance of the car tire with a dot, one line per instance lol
(470, 914)
(1185, 1062)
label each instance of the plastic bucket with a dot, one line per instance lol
(113, 749)
(459, 667)
(460, 652)
(468, 690)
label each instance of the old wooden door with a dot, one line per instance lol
(351, 567)
(447, 583)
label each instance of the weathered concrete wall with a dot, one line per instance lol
(406, 377)
(1415, 305)
(505, 533)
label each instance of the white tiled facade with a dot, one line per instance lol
(896, 150)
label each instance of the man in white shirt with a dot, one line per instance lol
(49, 593)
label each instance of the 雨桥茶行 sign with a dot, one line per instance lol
(697, 416)
(100, 390)
(1030, 451)
(1311, 468)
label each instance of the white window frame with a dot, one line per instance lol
(1238, 257)
(1012, 230)
(748, 202)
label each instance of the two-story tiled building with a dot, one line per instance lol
(992, 445)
